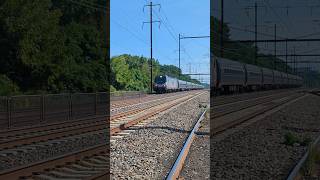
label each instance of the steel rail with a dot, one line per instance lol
(178, 165)
(70, 131)
(268, 107)
(148, 115)
(295, 171)
(152, 100)
(50, 126)
(36, 134)
(251, 103)
(29, 169)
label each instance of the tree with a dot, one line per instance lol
(133, 72)
(53, 46)
(7, 86)
(239, 51)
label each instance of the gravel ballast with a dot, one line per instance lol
(258, 151)
(150, 151)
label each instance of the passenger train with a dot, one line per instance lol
(164, 83)
(232, 76)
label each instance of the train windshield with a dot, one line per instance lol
(160, 79)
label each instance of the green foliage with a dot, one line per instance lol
(239, 51)
(290, 139)
(132, 73)
(52, 46)
(112, 89)
(174, 71)
(7, 87)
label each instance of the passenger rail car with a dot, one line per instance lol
(232, 76)
(164, 83)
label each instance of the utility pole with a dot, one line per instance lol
(179, 54)
(151, 22)
(255, 33)
(190, 37)
(287, 57)
(275, 47)
(221, 29)
(187, 37)
(294, 60)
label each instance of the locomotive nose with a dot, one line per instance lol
(159, 85)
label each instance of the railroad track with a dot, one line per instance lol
(66, 165)
(127, 102)
(221, 100)
(261, 105)
(227, 119)
(88, 163)
(141, 105)
(23, 136)
(315, 92)
(139, 119)
(174, 173)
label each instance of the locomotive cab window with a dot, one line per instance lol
(160, 79)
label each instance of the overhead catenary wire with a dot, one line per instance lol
(166, 24)
(89, 5)
(279, 17)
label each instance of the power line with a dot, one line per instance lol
(133, 34)
(268, 4)
(246, 30)
(91, 6)
(128, 30)
(166, 23)
(167, 28)
(279, 40)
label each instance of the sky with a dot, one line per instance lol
(128, 35)
(294, 19)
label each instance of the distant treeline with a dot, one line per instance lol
(243, 52)
(52, 46)
(133, 72)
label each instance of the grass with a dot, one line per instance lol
(291, 139)
(309, 165)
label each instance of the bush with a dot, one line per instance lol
(7, 87)
(290, 139)
(112, 89)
